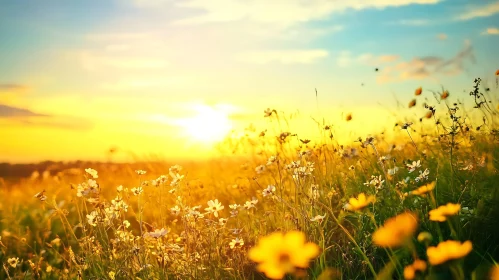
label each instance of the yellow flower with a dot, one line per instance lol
(410, 270)
(112, 275)
(396, 230)
(13, 262)
(441, 213)
(448, 250)
(278, 253)
(494, 273)
(424, 189)
(360, 202)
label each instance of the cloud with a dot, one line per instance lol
(282, 56)
(284, 13)
(10, 111)
(92, 62)
(442, 36)
(427, 67)
(12, 87)
(23, 116)
(59, 122)
(491, 31)
(479, 11)
(411, 22)
(345, 59)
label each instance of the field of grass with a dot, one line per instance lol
(422, 206)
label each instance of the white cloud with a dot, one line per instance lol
(282, 56)
(480, 11)
(345, 59)
(91, 62)
(428, 67)
(282, 12)
(491, 31)
(411, 22)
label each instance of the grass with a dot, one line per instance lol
(200, 221)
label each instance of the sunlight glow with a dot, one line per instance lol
(208, 126)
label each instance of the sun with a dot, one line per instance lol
(208, 125)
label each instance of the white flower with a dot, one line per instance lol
(236, 243)
(269, 191)
(318, 218)
(259, 169)
(175, 210)
(137, 191)
(157, 233)
(413, 166)
(393, 171)
(92, 173)
(213, 207)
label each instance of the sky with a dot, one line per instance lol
(150, 76)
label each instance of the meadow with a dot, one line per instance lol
(421, 205)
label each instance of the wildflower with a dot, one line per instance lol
(351, 167)
(126, 223)
(112, 275)
(236, 243)
(41, 196)
(410, 270)
(175, 210)
(349, 117)
(279, 253)
(418, 91)
(222, 221)
(259, 169)
(48, 269)
(92, 173)
(423, 175)
(233, 209)
(157, 233)
(448, 250)
(425, 237)
(412, 103)
(494, 271)
(360, 202)
(376, 182)
(271, 160)
(443, 212)
(269, 191)
(268, 112)
(444, 95)
(56, 241)
(93, 218)
(318, 218)
(214, 206)
(396, 230)
(137, 191)
(424, 189)
(140, 172)
(13, 262)
(413, 166)
(393, 171)
(119, 188)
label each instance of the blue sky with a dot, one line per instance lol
(100, 64)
